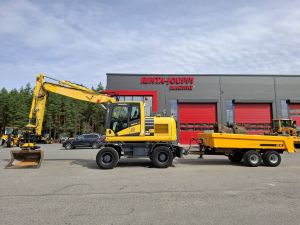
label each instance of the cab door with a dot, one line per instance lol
(135, 119)
(117, 120)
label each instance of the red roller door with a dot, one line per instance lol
(195, 118)
(294, 110)
(255, 117)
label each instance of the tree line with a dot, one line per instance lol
(62, 115)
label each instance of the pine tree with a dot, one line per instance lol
(4, 99)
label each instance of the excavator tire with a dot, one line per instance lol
(25, 159)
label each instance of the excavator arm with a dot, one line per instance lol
(65, 88)
(30, 156)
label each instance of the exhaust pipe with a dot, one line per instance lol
(25, 159)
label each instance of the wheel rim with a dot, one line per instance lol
(69, 146)
(107, 158)
(273, 158)
(254, 159)
(163, 157)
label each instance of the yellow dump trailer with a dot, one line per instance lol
(252, 149)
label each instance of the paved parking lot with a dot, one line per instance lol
(69, 189)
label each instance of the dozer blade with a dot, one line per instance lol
(24, 159)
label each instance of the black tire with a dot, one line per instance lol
(9, 144)
(236, 157)
(95, 145)
(4, 143)
(107, 158)
(68, 146)
(252, 158)
(162, 157)
(272, 158)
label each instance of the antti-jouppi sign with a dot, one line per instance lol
(174, 82)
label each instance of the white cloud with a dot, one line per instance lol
(81, 42)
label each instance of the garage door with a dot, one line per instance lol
(195, 118)
(255, 117)
(294, 111)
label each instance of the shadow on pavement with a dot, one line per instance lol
(213, 162)
(91, 164)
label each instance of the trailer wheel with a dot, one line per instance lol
(162, 157)
(107, 158)
(272, 158)
(252, 158)
(236, 157)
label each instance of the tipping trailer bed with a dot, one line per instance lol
(252, 149)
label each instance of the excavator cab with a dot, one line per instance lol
(29, 156)
(124, 119)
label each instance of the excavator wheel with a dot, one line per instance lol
(24, 159)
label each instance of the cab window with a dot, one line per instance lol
(119, 118)
(135, 113)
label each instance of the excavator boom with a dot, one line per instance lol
(64, 88)
(29, 156)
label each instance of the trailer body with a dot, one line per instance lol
(252, 149)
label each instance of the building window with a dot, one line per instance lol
(174, 108)
(284, 109)
(148, 105)
(128, 98)
(229, 112)
(138, 98)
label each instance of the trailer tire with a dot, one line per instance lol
(107, 158)
(252, 158)
(162, 157)
(272, 158)
(236, 157)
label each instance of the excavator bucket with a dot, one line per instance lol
(25, 159)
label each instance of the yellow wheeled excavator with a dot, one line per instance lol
(128, 132)
(11, 137)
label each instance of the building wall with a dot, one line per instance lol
(273, 89)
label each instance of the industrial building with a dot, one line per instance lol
(199, 101)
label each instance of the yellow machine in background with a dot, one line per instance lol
(128, 132)
(11, 137)
(284, 127)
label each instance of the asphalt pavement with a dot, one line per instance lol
(69, 188)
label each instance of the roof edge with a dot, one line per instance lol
(191, 74)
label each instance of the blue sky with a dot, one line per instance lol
(83, 40)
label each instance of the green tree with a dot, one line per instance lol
(4, 99)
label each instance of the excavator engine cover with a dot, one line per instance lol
(25, 159)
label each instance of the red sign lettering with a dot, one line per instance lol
(174, 82)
